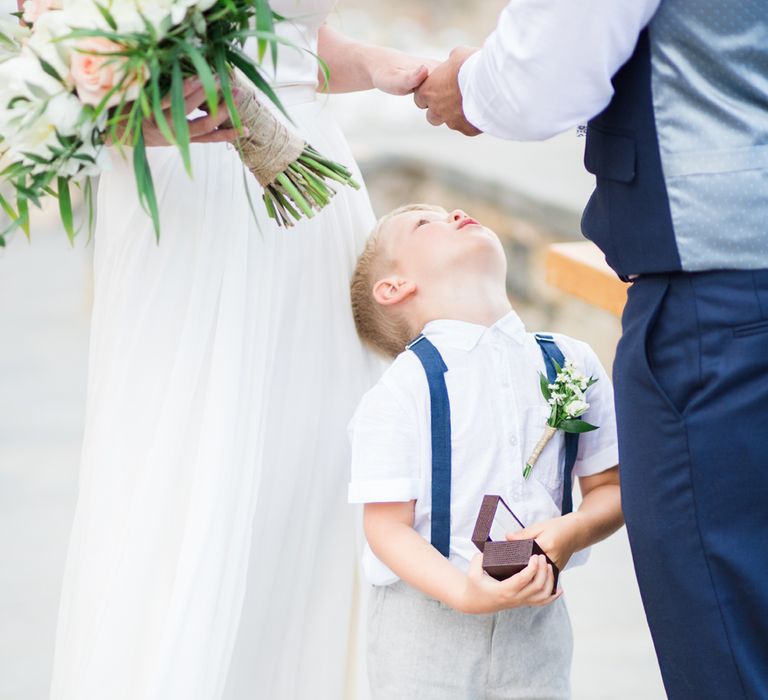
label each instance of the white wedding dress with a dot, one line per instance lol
(213, 554)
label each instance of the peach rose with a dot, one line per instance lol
(34, 9)
(95, 74)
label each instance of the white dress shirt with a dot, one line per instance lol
(548, 65)
(498, 415)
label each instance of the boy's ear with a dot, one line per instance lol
(392, 290)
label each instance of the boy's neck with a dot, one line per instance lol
(483, 307)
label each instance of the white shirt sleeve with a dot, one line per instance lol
(548, 65)
(598, 449)
(385, 449)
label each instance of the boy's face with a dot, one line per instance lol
(428, 245)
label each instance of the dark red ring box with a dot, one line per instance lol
(503, 558)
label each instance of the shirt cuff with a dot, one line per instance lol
(383, 491)
(599, 462)
(472, 113)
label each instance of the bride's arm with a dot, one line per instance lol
(356, 66)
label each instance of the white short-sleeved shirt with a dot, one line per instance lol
(498, 415)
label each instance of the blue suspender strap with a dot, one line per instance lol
(440, 412)
(553, 354)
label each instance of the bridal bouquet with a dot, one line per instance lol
(85, 73)
(566, 397)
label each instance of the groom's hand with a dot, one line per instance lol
(439, 94)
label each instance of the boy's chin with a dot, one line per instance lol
(483, 246)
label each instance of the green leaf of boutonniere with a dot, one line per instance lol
(566, 397)
(544, 382)
(576, 426)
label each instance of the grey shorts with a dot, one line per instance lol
(420, 649)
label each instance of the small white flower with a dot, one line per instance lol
(576, 408)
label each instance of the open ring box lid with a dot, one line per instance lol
(503, 558)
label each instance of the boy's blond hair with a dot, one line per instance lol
(383, 328)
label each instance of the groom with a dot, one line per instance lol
(676, 94)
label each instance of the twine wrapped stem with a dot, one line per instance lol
(293, 174)
(549, 433)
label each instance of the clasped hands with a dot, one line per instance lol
(439, 94)
(435, 88)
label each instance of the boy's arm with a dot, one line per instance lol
(390, 534)
(600, 510)
(598, 516)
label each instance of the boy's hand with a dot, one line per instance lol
(530, 587)
(558, 537)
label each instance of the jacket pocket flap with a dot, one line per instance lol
(610, 156)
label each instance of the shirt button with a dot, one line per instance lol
(512, 440)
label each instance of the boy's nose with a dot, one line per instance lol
(458, 215)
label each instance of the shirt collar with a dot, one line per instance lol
(465, 335)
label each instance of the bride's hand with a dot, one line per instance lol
(354, 66)
(203, 129)
(399, 73)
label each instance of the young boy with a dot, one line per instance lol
(455, 417)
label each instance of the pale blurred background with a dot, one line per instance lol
(531, 194)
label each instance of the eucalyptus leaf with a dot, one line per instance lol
(251, 71)
(107, 15)
(65, 209)
(144, 184)
(220, 61)
(205, 75)
(8, 209)
(23, 219)
(179, 116)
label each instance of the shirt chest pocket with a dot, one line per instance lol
(548, 469)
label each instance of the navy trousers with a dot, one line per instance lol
(691, 379)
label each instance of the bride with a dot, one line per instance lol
(213, 554)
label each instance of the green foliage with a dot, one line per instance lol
(65, 208)
(576, 426)
(207, 46)
(154, 65)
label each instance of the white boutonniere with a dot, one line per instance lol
(567, 399)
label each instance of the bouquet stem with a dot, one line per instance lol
(549, 433)
(293, 174)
